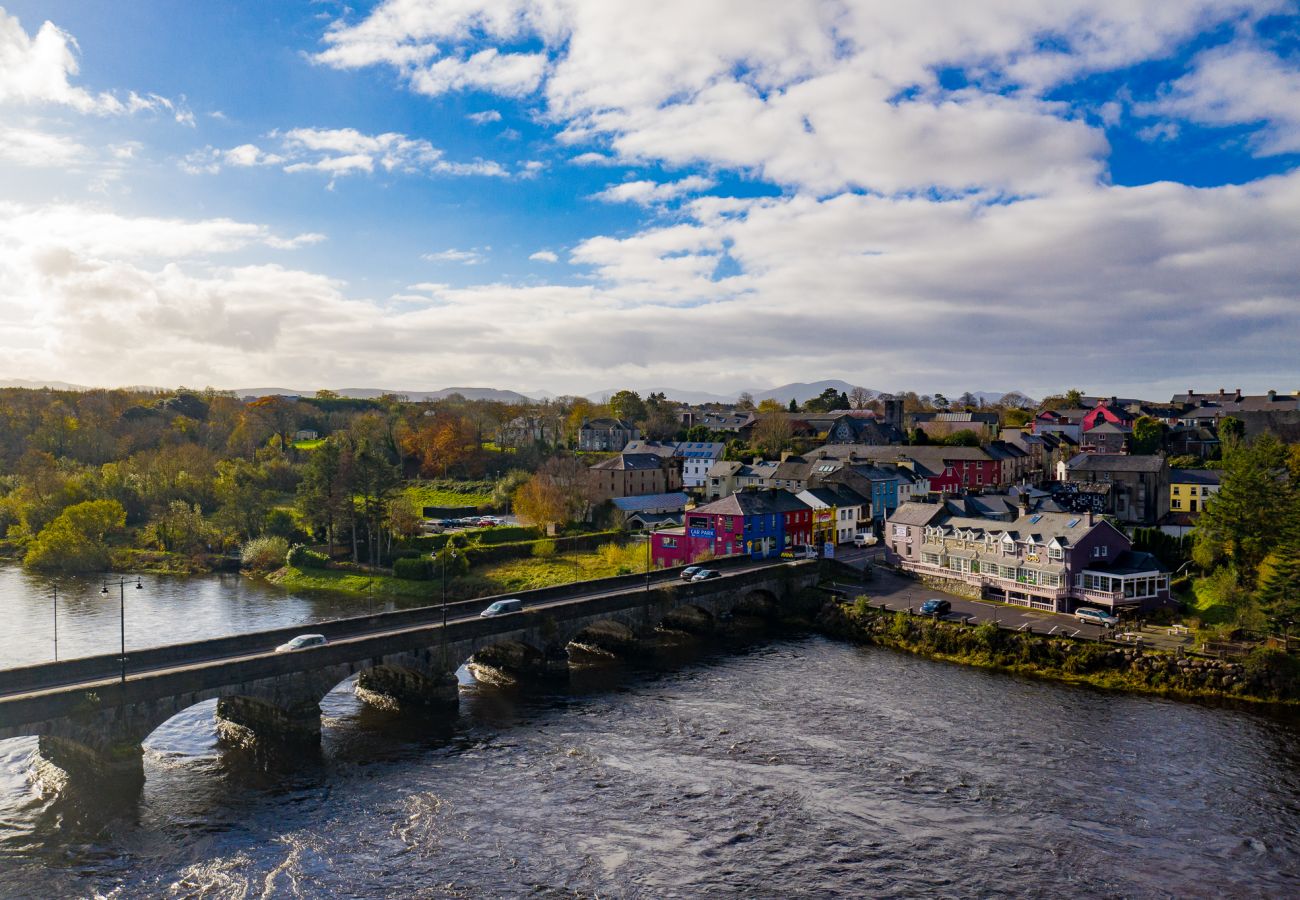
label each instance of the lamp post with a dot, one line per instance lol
(121, 591)
(56, 623)
(445, 552)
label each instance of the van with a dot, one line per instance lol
(502, 607)
(801, 551)
(865, 539)
(1095, 616)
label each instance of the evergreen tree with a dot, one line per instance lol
(794, 407)
(1279, 587)
(1255, 509)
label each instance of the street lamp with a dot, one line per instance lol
(445, 551)
(56, 623)
(121, 591)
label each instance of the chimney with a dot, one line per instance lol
(1114, 402)
(1089, 517)
(1222, 393)
(1191, 395)
(1238, 397)
(1023, 498)
(1272, 395)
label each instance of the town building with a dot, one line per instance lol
(633, 475)
(1049, 561)
(606, 434)
(1189, 489)
(757, 523)
(940, 425)
(837, 513)
(1137, 486)
(650, 512)
(697, 457)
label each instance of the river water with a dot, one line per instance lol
(778, 767)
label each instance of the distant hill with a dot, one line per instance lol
(37, 385)
(803, 392)
(678, 394)
(469, 393)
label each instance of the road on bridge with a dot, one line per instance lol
(367, 628)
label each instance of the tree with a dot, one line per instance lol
(1073, 398)
(745, 401)
(794, 405)
(556, 494)
(1148, 435)
(374, 479)
(180, 528)
(826, 401)
(962, 438)
(859, 397)
(323, 493)
(242, 497)
(967, 400)
(628, 405)
(918, 437)
(1014, 400)
(1254, 510)
(940, 402)
(770, 405)
(772, 434)
(75, 540)
(1016, 417)
(1279, 587)
(1231, 429)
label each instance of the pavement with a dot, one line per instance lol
(889, 590)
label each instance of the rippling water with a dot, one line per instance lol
(796, 767)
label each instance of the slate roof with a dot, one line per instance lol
(674, 500)
(629, 462)
(1110, 428)
(1115, 462)
(1195, 476)
(1130, 562)
(754, 503)
(913, 513)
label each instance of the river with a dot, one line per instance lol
(778, 767)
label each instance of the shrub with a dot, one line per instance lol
(544, 549)
(411, 569)
(303, 557)
(264, 554)
(281, 523)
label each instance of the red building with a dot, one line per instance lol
(1108, 412)
(760, 524)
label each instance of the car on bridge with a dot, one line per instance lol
(302, 642)
(936, 607)
(706, 574)
(689, 572)
(502, 607)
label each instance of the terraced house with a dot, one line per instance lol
(1049, 561)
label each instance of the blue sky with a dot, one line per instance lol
(573, 195)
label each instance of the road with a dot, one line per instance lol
(899, 592)
(107, 668)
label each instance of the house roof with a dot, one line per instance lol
(828, 495)
(651, 502)
(1115, 462)
(754, 503)
(1195, 476)
(606, 423)
(1110, 428)
(913, 513)
(630, 462)
(1130, 562)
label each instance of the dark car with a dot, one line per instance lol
(706, 574)
(935, 607)
(689, 572)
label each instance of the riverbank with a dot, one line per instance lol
(1263, 676)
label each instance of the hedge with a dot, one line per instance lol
(302, 557)
(411, 569)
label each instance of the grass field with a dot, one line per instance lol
(475, 493)
(308, 445)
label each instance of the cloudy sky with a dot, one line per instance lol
(581, 194)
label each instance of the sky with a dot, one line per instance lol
(579, 195)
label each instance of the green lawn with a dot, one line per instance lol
(308, 445)
(440, 495)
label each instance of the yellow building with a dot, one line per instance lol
(1190, 488)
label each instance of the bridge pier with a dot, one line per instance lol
(61, 762)
(395, 688)
(251, 723)
(509, 661)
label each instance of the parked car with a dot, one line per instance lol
(1095, 616)
(801, 551)
(865, 539)
(689, 572)
(706, 574)
(936, 607)
(302, 642)
(502, 607)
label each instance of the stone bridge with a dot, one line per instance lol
(91, 722)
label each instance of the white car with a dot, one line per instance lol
(302, 642)
(501, 607)
(1095, 616)
(865, 539)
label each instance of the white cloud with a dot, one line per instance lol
(1153, 268)
(338, 152)
(823, 95)
(27, 147)
(38, 70)
(483, 118)
(1239, 84)
(649, 193)
(545, 256)
(466, 257)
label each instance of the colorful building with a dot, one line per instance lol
(1190, 488)
(760, 524)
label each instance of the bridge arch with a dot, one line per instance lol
(690, 618)
(507, 661)
(606, 637)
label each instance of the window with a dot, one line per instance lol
(728, 523)
(930, 558)
(1176, 490)
(1177, 504)
(670, 542)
